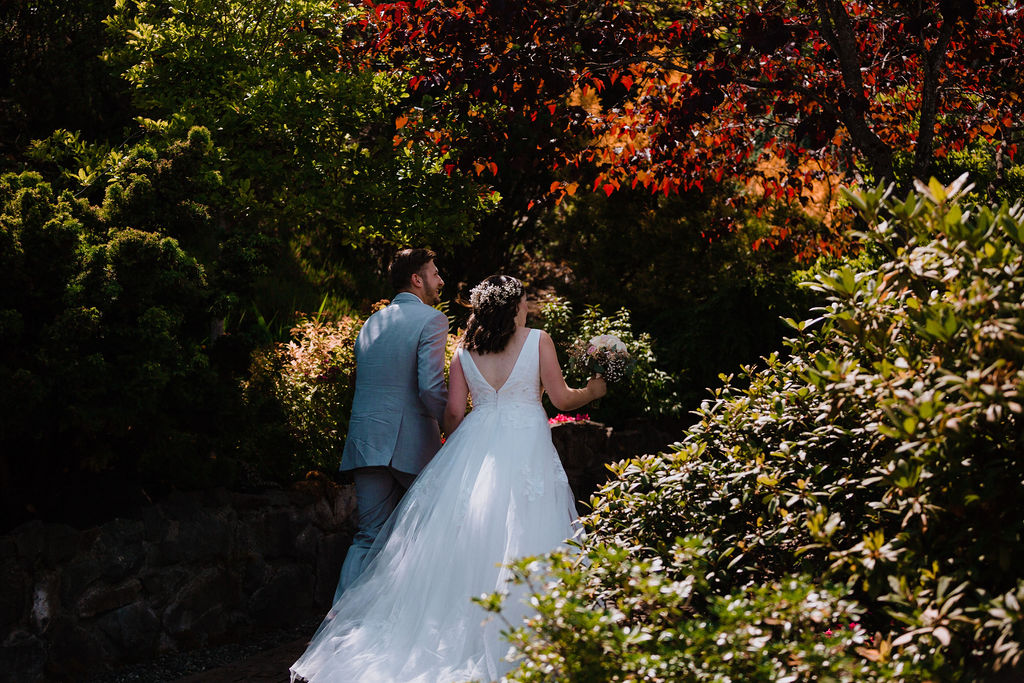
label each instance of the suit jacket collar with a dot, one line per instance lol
(405, 297)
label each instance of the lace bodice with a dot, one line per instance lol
(522, 385)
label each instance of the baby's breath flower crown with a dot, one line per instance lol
(491, 294)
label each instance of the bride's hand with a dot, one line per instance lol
(597, 387)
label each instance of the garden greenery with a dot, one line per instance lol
(650, 390)
(310, 381)
(850, 511)
(710, 298)
(106, 357)
(141, 267)
(306, 144)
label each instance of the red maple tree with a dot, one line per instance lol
(787, 94)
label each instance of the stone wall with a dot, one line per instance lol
(203, 568)
(194, 570)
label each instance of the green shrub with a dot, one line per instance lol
(661, 623)
(649, 392)
(112, 356)
(310, 380)
(880, 461)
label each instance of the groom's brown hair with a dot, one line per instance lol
(407, 262)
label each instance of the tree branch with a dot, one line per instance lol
(930, 98)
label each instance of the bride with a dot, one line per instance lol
(495, 491)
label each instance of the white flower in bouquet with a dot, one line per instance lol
(606, 355)
(606, 342)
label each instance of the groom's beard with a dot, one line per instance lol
(433, 296)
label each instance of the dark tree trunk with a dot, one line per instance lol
(838, 30)
(930, 99)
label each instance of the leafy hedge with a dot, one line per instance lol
(869, 480)
(301, 392)
(107, 355)
(650, 392)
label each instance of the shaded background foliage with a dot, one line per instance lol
(687, 276)
(50, 77)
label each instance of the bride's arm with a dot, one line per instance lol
(458, 392)
(562, 395)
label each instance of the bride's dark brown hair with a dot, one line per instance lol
(493, 322)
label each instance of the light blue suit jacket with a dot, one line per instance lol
(400, 392)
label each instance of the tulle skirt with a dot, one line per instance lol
(495, 492)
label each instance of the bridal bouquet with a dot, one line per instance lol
(606, 355)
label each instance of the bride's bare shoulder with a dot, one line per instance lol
(543, 336)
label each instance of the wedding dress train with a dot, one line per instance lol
(496, 491)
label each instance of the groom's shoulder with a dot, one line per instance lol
(432, 320)
(436, 315)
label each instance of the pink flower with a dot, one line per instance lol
(562, 417)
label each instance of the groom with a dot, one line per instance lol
(399, 400)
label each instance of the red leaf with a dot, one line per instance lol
(608, 189)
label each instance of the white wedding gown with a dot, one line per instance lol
(496, 491)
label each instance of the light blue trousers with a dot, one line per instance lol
(378, 491)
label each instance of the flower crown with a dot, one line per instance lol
(488, 294)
